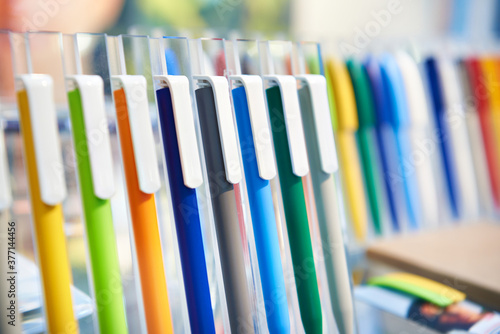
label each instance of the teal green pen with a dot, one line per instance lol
(297, 221)
(367, 140)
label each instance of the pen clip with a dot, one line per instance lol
(5, 190)
(293, 122)
(322, 121)
(415, 92)
(91, 89)
(141, 130)
(46, 143)
(225, 121)
(259, 124)
(184, 126)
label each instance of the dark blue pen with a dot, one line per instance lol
(187, 222)
(383, 133)
(439, 108)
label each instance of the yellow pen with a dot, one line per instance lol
(47, 188)
(347, 125)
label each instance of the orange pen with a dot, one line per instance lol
(142, 181)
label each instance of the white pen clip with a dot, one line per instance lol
(141, 130)
(227, 131)
(184, 126)
(259, 123)
(322, 121)
(293, 122)
(91, 88)
(5, 191)
(46, 143)
(415, 91)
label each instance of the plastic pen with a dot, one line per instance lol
(480, 97)
(439, 108)
(8, 324)
(367, 140)
(453, 119)
(291, 156)
(143, 181)
(400, 121)
(419, 132)
(185, 175)
(323, 164)
(490, 68)
(387, 145)
(223, 169)
(460, 144)
(96, 183)
(484, 184)
(259, 168)
(347, 122)
(47, 189)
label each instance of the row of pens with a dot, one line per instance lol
(255, 127)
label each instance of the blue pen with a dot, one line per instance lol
(385, 140)
(187, 219)
(439, 108)
(400, 119)
(263, 216)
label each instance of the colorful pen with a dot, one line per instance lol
(45, 172)
(347, 121)
(143, 181)
(454, 135)
(291, 157)
(387, 146)
(490, 68)
(419, 133)
(323, 164)
(184, 173)
(223, 169)
(487, 199)
(400, 122)
(259, 168)
(96, 183)
(367, 141)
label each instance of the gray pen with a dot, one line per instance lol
(323, 164)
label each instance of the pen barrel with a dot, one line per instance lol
(294, 205)
(264, 222)
(226, 218)
(368, 150)
(187, 222)
(101, 239)
(330, 225)
(351, 169)
(145, 231)
(408, 171)
(50, 240)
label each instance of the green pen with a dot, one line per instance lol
(294, 204)
(95, 174)
(367, 140)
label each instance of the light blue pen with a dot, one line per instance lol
(258, 164)
(400, 119)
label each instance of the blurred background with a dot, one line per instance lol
(311, 19)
